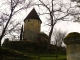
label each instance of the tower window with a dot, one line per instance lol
(28, 20)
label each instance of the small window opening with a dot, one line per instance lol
(28, 20)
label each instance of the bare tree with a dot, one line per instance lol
(11, 9)
(21, 34)
(76, 10)
(58, 36)
(55, 11)
(76, 1)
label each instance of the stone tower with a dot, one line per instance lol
(32, 24)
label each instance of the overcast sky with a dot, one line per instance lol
(64, 26)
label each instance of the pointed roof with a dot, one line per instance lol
(33, 15)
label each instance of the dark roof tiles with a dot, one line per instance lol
(33, 15)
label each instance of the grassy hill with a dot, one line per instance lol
(19, 50)
(10, 54)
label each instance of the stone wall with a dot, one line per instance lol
(73, 52)
(72, 41)
(31, 29)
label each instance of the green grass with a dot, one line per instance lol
(47, 56)
(53, 58)
(32, 56)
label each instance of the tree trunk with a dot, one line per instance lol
(0, 44)
(50, 34)
(21, 34)
(3, 32)
(0, 52)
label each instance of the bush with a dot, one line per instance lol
(30, 46)
(6, 40)
(27, 46)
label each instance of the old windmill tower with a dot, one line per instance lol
(32, 25)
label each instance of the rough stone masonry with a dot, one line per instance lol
(72, 40)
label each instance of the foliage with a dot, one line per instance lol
(44, 37)
(72, 35)
(29, 46)
(6, 40)
(25, 45)
(72, 38)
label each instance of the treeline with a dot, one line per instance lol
(30, 46)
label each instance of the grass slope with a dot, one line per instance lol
(13, 55)
(9, 54)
